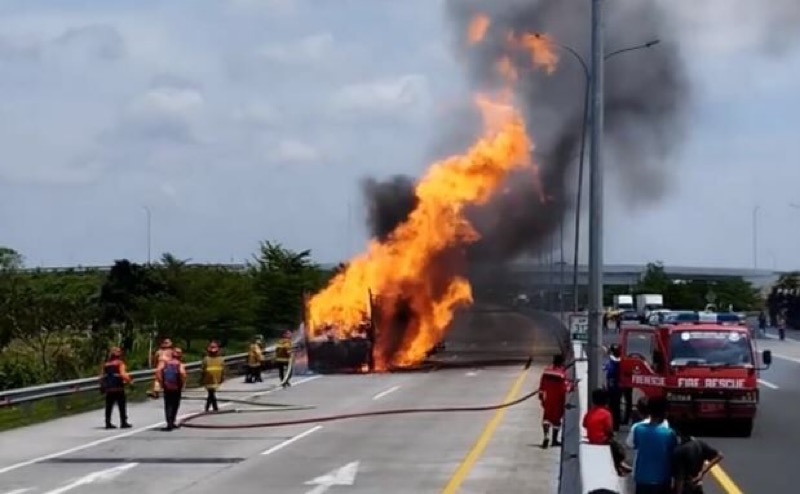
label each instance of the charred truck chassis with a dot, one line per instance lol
(340, 356)
(351, 355)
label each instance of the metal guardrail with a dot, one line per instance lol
(19, 396)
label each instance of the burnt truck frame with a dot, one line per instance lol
(694, 389)
(351, 355)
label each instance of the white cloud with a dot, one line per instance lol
(258, 114)
(396, 97)
(169, 102)
(294, 152)
(19, 48)
(209, 110)
(310, 49)
(163, 113)
(98, 41)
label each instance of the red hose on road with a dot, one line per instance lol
(189, 421)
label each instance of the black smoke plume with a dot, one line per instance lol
(646, 98)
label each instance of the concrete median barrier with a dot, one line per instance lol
(598, 475)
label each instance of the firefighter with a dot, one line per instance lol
(553, 388)
(113, 378)
(213, 374)
(163, 354)
(255, 358)
(171, 376)
(283, 355)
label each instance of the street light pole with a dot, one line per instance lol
(561, 268)
(582, 152)
(149, 217)
(755, 236)
(595, 335)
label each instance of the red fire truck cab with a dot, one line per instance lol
(705, 371)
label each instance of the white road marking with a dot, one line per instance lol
(291, 440)
(768, 384)
(345, 475)
(471, 373)
(101, 476)
(20, 491)
(786, 357)
(127, 434)
(776, 338)
(384, 393)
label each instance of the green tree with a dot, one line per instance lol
(654, 280)
(281, 277)
(50, 316)
(122, 295)
(199, 302)
(10, 259)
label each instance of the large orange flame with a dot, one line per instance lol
(401, 269)
(477, 28)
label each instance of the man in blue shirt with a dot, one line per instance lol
(654, 446)
(612, 370)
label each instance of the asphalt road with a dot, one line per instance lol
(766, 462)
(486, 451)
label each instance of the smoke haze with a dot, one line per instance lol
(647, 93)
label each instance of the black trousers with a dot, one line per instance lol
(116, 398)
(615, 405)
(283, 370)
(253, 374)
(617, 452)
(172, 403)
(211, 400)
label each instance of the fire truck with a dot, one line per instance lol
(705, 371)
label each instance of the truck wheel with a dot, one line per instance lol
(744, 427)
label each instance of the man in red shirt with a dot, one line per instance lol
(599, 426)
(553, 388)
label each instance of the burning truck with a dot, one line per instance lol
(361, 348)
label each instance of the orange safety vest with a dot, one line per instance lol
(114, 376)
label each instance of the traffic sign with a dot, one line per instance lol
(579, 327)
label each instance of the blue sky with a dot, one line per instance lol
(236, 121)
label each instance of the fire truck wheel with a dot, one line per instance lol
(744, 427)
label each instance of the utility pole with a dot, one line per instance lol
(595, 335)
(149, 216)
(561, 266)
(755, 236)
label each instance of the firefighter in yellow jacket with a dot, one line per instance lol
(255, 358)
(283, 356)
(213, 374)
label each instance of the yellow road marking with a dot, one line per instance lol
(722, 478)
(483, 440)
